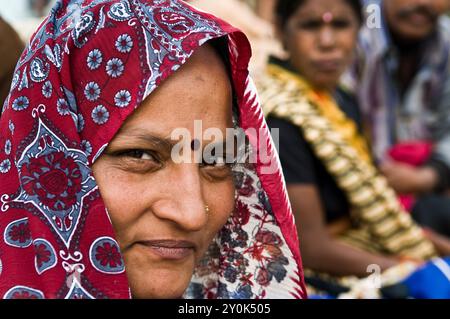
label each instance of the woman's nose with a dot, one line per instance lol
(184, 203)
(326, 39)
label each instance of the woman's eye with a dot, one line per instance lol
(138, 154)
(341, 24)
(217, 168)
(216, 161)
(310, 25)
(137, 160)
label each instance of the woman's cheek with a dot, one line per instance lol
(225, 205)
(348, 40)
(114, 188)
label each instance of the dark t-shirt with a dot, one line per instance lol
(301, 166)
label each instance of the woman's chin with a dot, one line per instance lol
(326, 81)
(166, 290)
(160, 283)
(161, 294)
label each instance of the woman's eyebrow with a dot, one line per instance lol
(149, 138)
(167, 143)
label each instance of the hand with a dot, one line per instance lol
(441, 243)
(407, 179)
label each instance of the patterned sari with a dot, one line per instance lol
(87, 68)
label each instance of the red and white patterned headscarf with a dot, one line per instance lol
(86, 69)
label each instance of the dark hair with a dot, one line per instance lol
(286, 8)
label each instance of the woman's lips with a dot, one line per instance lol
(327, 66)
(170, 249)
(420, 19)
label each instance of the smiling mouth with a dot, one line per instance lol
(169, 249)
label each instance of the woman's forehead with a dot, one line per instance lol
(199, 91)
(320, 6)
(157, 120)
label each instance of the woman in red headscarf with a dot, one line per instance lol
(95, 202)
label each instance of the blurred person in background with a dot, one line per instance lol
(10, 49)
(25, 15)
(258, 28)
(91, 180)
(402, 79)
(39, 7)
(265, 9)
(350, 218)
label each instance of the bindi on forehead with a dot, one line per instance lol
(327, 17)
(195, 144)
(327, 10)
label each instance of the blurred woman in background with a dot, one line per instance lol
(349, 216)
(94, 201)
(250, 17)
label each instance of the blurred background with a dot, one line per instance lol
(25, 15)
(254, 17)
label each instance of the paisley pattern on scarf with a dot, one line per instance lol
(86, 69)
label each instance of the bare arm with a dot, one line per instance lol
(440, 242)
(320, 251)
(408, 179)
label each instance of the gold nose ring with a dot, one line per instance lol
(207, 209)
